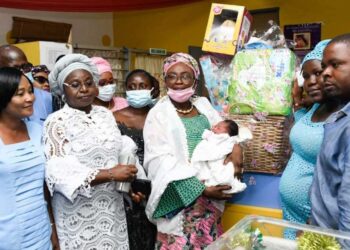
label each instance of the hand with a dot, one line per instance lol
(54, 238)
(236, 157)
(297, 95)
(124, 172)
(299, 100)
(138, 197)
(215, 192)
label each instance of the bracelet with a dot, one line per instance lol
(111, 177)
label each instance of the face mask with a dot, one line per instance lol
(139, 98)
(181, 95)
(106, 93)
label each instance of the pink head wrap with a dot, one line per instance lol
(181, 58)
(101, 64)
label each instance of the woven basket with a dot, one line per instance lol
(268, 151)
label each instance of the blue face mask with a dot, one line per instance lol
(139, 98)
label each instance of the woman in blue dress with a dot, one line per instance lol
(24, 220)
(305, 137)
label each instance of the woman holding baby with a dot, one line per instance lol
(180, 204)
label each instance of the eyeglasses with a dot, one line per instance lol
(105, 82)
(77, 85)
(41, 79)
(185, 78)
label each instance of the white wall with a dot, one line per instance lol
(88, 28)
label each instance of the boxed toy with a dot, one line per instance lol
(227, 29)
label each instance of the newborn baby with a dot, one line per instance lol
(209, 155)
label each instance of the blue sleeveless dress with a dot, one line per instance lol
(24, 220)
(306, 139)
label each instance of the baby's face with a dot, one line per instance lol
(220, 128)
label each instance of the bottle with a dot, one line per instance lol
(126, 159)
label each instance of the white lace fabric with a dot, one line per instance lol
(77, 145)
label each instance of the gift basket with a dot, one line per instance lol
(269, 151)
(254, 89)
(262, 81)
(263, 233)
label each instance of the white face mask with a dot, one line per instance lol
(106, 93)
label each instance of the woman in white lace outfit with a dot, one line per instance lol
(82, 144)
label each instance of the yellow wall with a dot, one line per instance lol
(175, 28)
(32, 51)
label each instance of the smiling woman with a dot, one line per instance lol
(180, 204)
(24, 220)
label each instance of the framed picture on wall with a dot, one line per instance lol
(303, 36)
(302, 40)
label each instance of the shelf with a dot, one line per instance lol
(117, 57)
(119, 69)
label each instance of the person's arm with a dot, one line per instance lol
(54, 238)
(216, 192)
(299, 99)
(163, 153)
(236, 157)
(344, 193)
(120, 172)
(65, 174)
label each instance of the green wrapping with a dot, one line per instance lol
(178, 194)
(262, 81)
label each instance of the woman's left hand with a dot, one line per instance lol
(236, 157)
(138, 197)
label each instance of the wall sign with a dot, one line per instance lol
(305, 37)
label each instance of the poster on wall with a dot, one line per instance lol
(304, 36)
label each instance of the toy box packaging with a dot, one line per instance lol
(227, 29)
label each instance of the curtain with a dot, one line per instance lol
(153, 65)
(90, 5)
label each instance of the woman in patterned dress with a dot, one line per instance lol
(180, 205)
(82, 144)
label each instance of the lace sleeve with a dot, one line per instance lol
(64, 173)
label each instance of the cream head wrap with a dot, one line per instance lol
(67, 65)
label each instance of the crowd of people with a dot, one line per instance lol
(62, 134)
